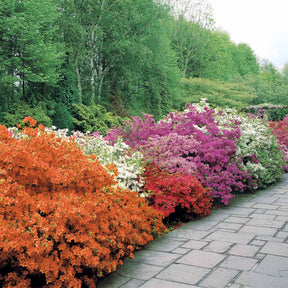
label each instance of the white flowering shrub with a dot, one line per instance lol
(129, 164)
(257, 147)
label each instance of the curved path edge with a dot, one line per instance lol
(242, 245)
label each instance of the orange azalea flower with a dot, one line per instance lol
(30, 120)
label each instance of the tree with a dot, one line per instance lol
(191, 23)
(29, 56)
(245, 60)
(109, 48)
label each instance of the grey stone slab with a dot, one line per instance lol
(217, 214)
(260, 211)
(165, 244)
(133, 283)
(265, 223)
(187, 234)
(241, 238)
(274, 248)
(239, 263)
(273, 265)
(281, 218)
(267, 199)
(218, 246)
(268, 238)
(283, 207)
(194, 244)
(156, 258)
(140, 271)
(180, 250)
(157, 283)
(285, 228)
(259, 256)
(244, 250)
(201, 258)
(114, 280)
(219, 278)
(229, 226)
(258, 242)
(266, 206)
(200, 225)
(282, 235)
(241, 211)
(277, 212)
(259, 280)
(183, 273)
(263, 216)
(239, 220)
(257, 230)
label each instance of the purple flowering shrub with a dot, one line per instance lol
(227, 151)
(211, 155)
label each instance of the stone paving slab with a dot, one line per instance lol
(260, 280)
(244, 245)
(183, 273)
(219, 278)
(273, 265)
(201, 258)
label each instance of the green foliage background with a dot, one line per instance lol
(76, 63)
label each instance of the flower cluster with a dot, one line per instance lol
(63, 222)
(280, 130)
(129, 163)
(257, 148)
(170, 191)
(228, 152)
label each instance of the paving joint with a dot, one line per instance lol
(242, 245)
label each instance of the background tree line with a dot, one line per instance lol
(87, 64)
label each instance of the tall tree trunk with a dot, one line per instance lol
(78, 78)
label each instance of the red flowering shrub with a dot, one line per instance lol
(280, 130)
(62, 224)
(168, 191)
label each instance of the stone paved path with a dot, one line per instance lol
(243, 245)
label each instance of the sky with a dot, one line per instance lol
(262, 24)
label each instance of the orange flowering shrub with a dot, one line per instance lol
(63, 221)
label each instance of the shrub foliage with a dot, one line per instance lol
(63, 221)
(167, 191)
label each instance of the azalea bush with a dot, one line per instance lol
(211, 153)
(63, 220)
(227, 151)
(280, 130)
(173, 153)
(166, 192)
(129, 163)
(257, 148)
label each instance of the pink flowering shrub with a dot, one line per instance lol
(214, 160)
(173, 153)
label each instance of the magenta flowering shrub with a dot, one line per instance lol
(215, 161)
(173, 153)
(137, 131)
